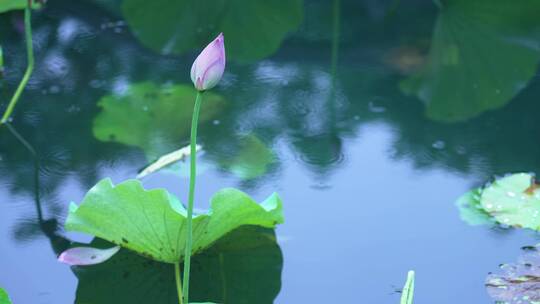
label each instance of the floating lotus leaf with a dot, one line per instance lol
(513, 200)
(152, 222)
(243, 267)
(471, 210)
(519, 283)
(483, 53)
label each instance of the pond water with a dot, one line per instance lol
(369, 118)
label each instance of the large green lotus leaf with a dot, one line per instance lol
(251, 160)
(253, 29)
(155, 118)
(518, 283)
(464, 76)
(8, 5)
(152, 222)
(242, 267)
(4, 298)
(471, 210)
(513, 200)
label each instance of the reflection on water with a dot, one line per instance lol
(243, 267)
(325, 105)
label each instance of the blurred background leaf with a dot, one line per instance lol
(464, 76)
(253, 29)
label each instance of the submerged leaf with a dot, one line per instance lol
(253, 29)
(519, 283)
(252, 159)
(513, 200)
(87, 255)
(154, 118)
(408, 290)
(151, 222)
(167, 160)
(242, 267)
(471, 210)
(4, 298)
(464, 75)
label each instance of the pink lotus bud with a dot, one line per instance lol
(87, 255)
(208, 68)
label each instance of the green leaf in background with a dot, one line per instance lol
(408, 290)
(244, 267)
(8, 5)
(471, 210)
(151, 222)
(251, 160)
(513, 200)
(155, 118)
(4, 298)
(518, 283)
(464, 76)
(253, 29)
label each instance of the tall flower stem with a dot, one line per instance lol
(178, 282)
(30, 66)
(192, 175)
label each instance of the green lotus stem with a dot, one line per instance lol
(178, 282)
(30, 66)
(336, 29)
(408, 290)
(192, 175)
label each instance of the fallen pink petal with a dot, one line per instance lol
(80, 256)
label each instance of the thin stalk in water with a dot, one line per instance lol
(178, 282)
(30, 66)
(192, 175)
(408, 290)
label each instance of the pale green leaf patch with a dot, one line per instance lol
(513, 200)
(152, 222)
(4, 298)
(471, 210)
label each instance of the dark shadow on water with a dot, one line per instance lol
(242, 267)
